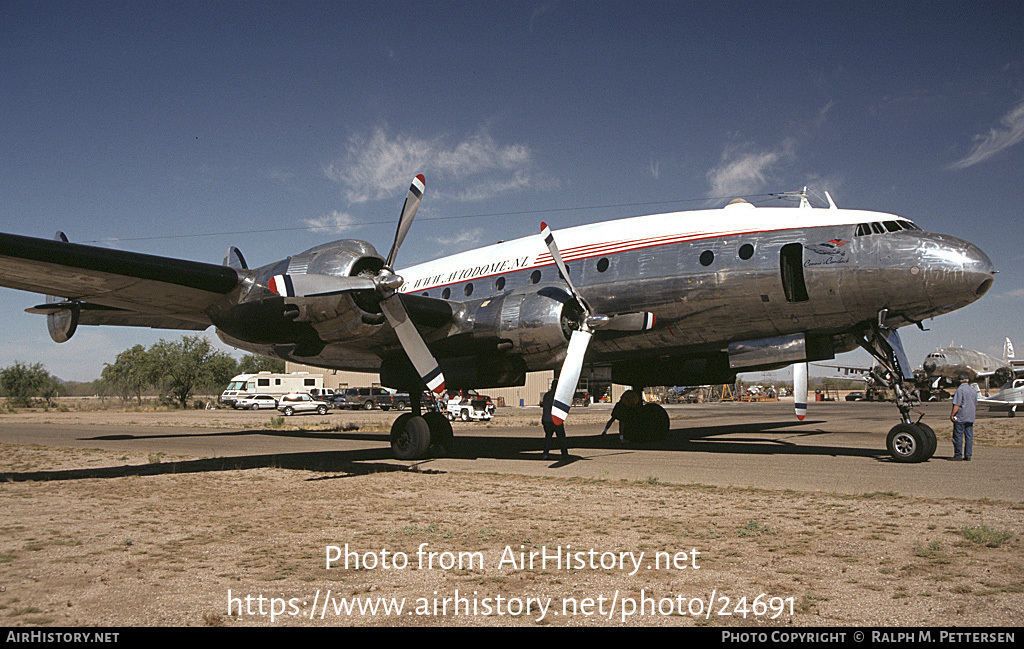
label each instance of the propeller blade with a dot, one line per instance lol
(639, 321)
(318, 285)
(549, 240)
(800, 390)
(412, 343)
(569, 376)
(412, 203)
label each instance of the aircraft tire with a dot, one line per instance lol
(442, 438)
(410, 437)
(907, 443)
(654, 421)
(931, 438)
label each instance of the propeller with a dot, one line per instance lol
(386, 284)
(800, 390)
(580, 339)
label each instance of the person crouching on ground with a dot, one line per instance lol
(625, 411)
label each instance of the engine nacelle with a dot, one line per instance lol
(535, 326)
(343, 257)
(62, 323)
(333, 316)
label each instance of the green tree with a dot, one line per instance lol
(130, 373)
(21, 383)
(254, 364)
(182, 366)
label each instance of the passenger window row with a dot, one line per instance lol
(746, 251)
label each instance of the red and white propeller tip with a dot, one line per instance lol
(569, 376)
(282, 285)
(412, 203)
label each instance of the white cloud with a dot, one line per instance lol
(655, 168)
(1009, 132)
(336, 222)
(381, 165)
(745, 172)
(487, 189)
(459, 238)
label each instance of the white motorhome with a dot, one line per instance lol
(276, 385)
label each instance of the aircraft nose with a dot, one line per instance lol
(958, 271)
(978, 269)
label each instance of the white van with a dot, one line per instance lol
(276, 385)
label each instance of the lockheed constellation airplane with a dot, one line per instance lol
(943, 366)
(684, 298)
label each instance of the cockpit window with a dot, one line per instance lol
(864, 229)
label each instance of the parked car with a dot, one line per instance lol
(296, 402)
(855, 396)
(255, 402)
(396, 400)
(322, 394)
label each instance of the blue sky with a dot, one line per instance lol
(181, 128)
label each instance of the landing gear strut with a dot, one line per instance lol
(415, 436)
(908, 441)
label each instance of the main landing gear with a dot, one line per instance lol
(648, 422)
(415, 436)
(908, 441)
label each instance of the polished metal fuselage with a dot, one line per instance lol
(950, 362)
(710, 277)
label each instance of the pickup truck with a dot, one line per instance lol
(370, 398)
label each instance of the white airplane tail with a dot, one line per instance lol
(1008, 350)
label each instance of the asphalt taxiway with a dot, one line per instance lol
(839, 447)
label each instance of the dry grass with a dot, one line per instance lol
(165, 548)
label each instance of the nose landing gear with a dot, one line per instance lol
(909, 441)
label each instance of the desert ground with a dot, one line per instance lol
(138, 536)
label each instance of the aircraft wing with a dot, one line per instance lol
(997, 402)
(115, 287)
(1018, 368)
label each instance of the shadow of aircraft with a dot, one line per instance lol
(753, 439)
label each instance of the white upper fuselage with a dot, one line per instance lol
(623, 235)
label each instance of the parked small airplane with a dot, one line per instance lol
(1009, 398)
(684, 298)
